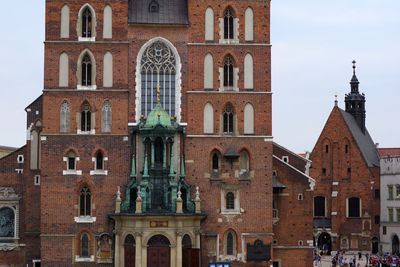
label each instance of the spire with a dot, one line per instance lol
(354, 81)
(355, 102)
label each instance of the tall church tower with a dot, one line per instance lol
(156, 141)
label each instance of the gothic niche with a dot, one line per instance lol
(258, 251)
(104, 251)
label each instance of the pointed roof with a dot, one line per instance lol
(158, 117)
(364, 141)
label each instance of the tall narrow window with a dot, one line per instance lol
(85, 245)
(228, 72)
(397, 191)
(354, 207)
(108, 70)
(64, 117)
(86, 71)
(208, 119)
(85, 202)
(228, 119)
(208, 72)
(248, 119)
(7, 228)
(209, 24)
(64, 32)
(63, 70)
(248, 72)
(158, 71)
(35, 143)
(230, 201)
(249, 21)
(215, 162)
(99, 161)
(390, 214)
(87, 23)
(390, 190)
(85, 118)
(228, 24)
(106, 117)
(107, 24)
(229, 244)
(71, 161)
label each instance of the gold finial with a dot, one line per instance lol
(336, 95)
(158, 114)
(142, 116)
(158, 92)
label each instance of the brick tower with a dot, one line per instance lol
(152, 142)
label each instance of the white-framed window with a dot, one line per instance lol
(230, 201)
(285, 159)
(229, 28)
(71, 160)
(86, 26)
(36, 180)
(228, 120)
(86, 71)
(84, 253)
(228, 75)
(85, 206)
(65, 111)
(300, 243)
(106, 117)
(86, 120)
(300, 197)
(99, 160)
(230, 246)
(20, 158)
(36, 263)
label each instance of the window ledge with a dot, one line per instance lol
(99, 172)
(86, 88)
(93, 131)
(233, 212)
(85, 219)
(72, 172)
(84, 259)
(229, 41)
(86, 39)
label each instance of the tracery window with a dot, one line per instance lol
(86, 71)
(228, 119)
(106, 117)
(85, 118)
(158, 70)
(228, 24)
(64, 117)
(7, 225)
(87, 23)
(228, 72)
(85, 201)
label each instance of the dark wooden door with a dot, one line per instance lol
(195, 257)
(158, 257)
(130, 256)
(186, 257)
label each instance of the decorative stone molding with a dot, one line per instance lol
(84, 259)
(8, 247)
(8, 193)
(85, 219)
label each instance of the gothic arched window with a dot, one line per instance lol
(228, 119)
(228, 24)
(158, 70)
(85, 245)
(85, 201)
(87, 23)
(64, 117)
(85, 117)
(228, 72)
(86, 71)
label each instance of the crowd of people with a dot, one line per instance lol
(342, 260)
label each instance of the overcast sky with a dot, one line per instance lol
(313, 44)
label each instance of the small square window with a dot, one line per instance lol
(348, 171)
(300, 242)
(37, 180)
(323, 171)
(274, 173)
(275, 242)
(285, 159)
(300, 196)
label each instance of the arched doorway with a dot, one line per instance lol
(375, 245)
(130, 251)
(186, 250)
(395, 245)
(325, 243)
(158, 252)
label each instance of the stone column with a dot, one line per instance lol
(179, 249)
(117, 262)
(138, 249)
(198, 236)
(165, 155)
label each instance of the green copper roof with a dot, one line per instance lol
(158, 116)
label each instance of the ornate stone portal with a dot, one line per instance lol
(157, 224)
